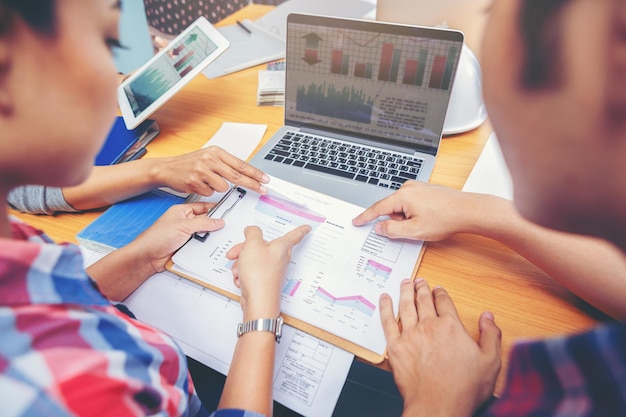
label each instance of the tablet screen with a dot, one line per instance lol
(169, 69)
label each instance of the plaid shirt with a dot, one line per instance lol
(65, 350)
(578, 376)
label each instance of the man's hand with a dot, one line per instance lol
(439, 369)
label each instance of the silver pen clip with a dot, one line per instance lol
(222, 208)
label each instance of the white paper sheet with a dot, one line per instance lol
(247, 48)
(239, 139)
(309, 373)
(275, 20)
(490, 174)
(337, 273)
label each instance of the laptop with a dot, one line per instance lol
(365, 104)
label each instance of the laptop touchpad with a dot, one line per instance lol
(335, 187)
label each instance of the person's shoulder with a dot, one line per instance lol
(602, 337)
(548, 374)
(231, 412)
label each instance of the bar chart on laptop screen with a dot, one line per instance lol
(425, 63)
(377, 82)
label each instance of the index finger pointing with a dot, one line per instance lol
(253, 233)
(380, 208)
(296, 235)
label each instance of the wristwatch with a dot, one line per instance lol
(262, 325)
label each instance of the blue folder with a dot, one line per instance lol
(124, 145)
(123, 221)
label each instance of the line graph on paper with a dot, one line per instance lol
(351, 302)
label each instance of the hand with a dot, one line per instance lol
(438, 368)
(259, 270)
(205, 171)
(428, 212)
(173, 229)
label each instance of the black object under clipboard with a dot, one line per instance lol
(222, 208)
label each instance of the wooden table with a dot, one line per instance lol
(479, 274)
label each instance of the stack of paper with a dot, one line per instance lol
(275, 21)
(271, 88)
(250, 45)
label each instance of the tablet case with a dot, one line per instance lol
(124, 144)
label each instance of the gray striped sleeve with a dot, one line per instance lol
(37, 199)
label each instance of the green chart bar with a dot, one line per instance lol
(447, 73)
(368, 70)
(395, 65)
(345, 65)
(421, 69)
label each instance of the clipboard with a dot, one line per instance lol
(230, 205)
(222, 208)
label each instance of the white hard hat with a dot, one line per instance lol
(466, 110)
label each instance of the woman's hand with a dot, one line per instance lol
(205, 171)
(259, 270)
(173, 229)
(120, 272)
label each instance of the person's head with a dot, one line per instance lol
(57, 88)
(555, 89)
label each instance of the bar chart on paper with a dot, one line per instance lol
(291, 287)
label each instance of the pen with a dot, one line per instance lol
(244, 27)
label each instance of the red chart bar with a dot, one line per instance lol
(310, 55)
(186, 71)
(181, 62)
(336, 62)
(410, 72)
(436, 74)
(385, 62)
(178, 49)
(359, 70)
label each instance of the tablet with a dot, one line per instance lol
(168, 71)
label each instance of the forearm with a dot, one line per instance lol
(249, 382)
(591, 268)
(110, 184)
(120, 273)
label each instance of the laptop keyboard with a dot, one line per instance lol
(374, 166)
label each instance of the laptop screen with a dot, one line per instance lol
(370, 79)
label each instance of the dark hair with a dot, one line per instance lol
(38, 14)
(540, 30)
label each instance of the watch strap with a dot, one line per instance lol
(263, 325)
